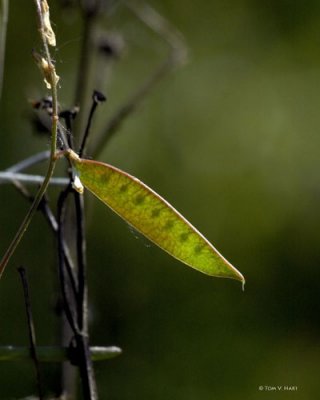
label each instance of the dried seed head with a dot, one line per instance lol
(47, 29)
(48, 70)
(49, 73)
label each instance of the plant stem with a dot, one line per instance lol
(86, 368)
(97, 97)
(67, 279)
(69, 295)
(30, 161)
(4, 12)
(75, 302)
(25, 223)
(55, 354)
(177, 55)
(82, 86)
(84, 360)
(7, 176)
(32, 335)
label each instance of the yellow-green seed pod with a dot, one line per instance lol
(153, 216)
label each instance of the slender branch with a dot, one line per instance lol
(25, 224)
(7, 177)
(82, 340)
(97, 98)
(81, 257)
(64, 267)
(30, 161)
(69, 116)
(86, 367)
(48, 214)
(156, 22)
(82, 85)
(129, 107)
(76, 306)
(31, 330)
(35, 159)
(55, 354)
(83, 69)
(4, 12)
(177, 55)
(52, 162)
(90, 10)
(69, 284)
(45, 208)
(63, 137)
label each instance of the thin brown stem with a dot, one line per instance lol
(31, 330)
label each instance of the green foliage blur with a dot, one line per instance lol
(232, 141)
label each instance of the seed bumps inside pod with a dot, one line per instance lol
(153, 216)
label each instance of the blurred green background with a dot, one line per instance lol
(232, 140)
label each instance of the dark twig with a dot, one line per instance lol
(86, 367)
(32, 335)
(49, 216)
(75, 303)
(85, 362)
(69, 116)
(97, 98)
(90, 12)
(63, 267)
(69, 323)
(81, 258)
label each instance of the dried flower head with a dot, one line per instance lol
(48, 70)
(47, 29)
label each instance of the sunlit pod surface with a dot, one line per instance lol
(153, 216)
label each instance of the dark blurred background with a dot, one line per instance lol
(232, 140)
